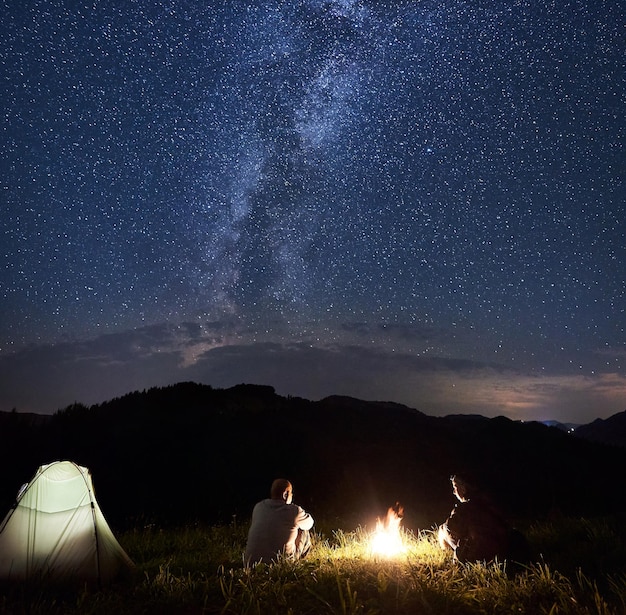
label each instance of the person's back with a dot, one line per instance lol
(476, 529)
(278, 527)
(480, 531)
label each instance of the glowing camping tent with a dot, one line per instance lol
(57, 531)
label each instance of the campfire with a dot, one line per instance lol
(387, 538)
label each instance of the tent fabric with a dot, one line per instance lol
(56, 531)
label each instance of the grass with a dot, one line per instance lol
(579, 568)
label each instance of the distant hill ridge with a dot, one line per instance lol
(31, 418)
(608, 431)
(611, 430)
(193, 452)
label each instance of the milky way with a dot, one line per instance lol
(439, 181)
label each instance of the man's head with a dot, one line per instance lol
(281, 490)
(462, 487)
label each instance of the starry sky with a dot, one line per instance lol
(414, 201)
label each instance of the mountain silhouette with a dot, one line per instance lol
(608, 431)
(190, 452)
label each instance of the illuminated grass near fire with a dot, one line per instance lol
(364, 544)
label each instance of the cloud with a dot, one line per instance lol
(523, 396)
(434, 385)
(46, 378)
(222, 354)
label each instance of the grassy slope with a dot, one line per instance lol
(580, 567)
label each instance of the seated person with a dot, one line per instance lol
(278, 527)
(476, 530)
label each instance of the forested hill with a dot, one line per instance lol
(191, 452)
(609, 431)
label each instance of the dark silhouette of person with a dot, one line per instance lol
(278, 527)
(476, 529)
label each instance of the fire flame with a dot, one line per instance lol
(387, 538)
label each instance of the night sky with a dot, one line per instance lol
(411, 201)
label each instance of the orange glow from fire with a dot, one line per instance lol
(387, 538)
